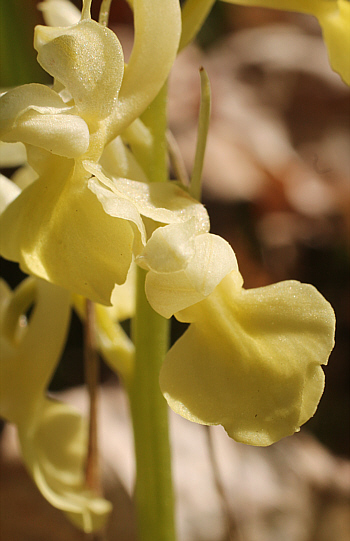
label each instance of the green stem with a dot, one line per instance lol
(155, 163)
(150, 334)
(91, 359)
(203, 127)
(153, 490)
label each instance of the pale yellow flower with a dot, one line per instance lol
(251, 359)
(56, 228)
(52, 435)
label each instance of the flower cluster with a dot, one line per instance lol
(89, 211)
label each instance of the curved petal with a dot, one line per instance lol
(119, 161)
(52, 436)
(59, 12)
(29, 357)
(170, 292)
(87, 59)
(251, 359)
(117, 206)
(336, 33)
(157, 34)
(163, 202)
(194, 14)
(36, 115)
(64, 135)
(170, 248)
(334, 17)
(54, 448)
(57, 230)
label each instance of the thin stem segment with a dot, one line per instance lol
(203, 127)
(153, 491)
(149, 410)
(92, 380)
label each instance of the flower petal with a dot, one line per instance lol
(251, 359)
(163, 202)
(157, 34)
(52, 436)
(59, 12)
(36, 115)
(336, 33)
(119, 161)
(54, 448)
(171, 292)
(57, 230)
(334, 18)
(87, 59)
(29, 358)
(170, 248)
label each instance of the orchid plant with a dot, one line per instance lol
(95, 221)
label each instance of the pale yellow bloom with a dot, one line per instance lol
(56, 228)
(52, 436)
(251, 359)
(334, 18)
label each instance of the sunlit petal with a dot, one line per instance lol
(30, 356)
(69, 239)
(334, 18)
(163, 202)
(251, 359)
(37, 115)
(53, 437)
(87, 59)
(211, 260)
(119, 161)
(59, 12)
(54, 448)
(157, 33)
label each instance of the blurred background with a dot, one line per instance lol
(276, 184)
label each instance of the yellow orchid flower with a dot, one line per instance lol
(56, 228)
(251, 359)
(52, 436)
(334, 18)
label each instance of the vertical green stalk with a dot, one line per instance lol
(92, 367)
(203, 128)
(153, 490)
(150, 333)
(155, 164)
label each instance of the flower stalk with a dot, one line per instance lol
(150, 333)
(91, 362)
(153, 490)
